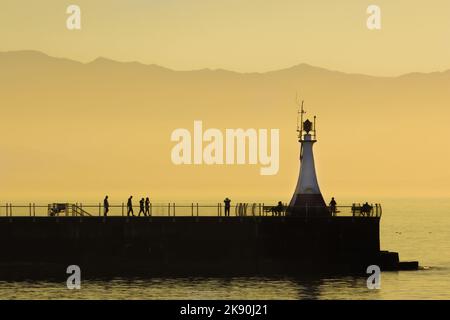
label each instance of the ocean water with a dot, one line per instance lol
(419, 229)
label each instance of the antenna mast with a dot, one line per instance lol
(314, 129)
(301, 112)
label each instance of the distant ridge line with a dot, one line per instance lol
(301, 67)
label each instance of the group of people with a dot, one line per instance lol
(144, 206)
(365, 209)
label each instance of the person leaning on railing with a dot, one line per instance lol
(227, 206)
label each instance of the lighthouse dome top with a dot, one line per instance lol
(307, 126)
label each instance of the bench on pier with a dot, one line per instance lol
(358, 210)
(56, 208)
(274, 210)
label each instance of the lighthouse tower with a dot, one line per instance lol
(307, 199)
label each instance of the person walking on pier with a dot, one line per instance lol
(141, 207)
(106, 206)
(333, 206)
(147, 206)
(130, 206)
(227, 207)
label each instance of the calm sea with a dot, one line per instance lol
(419, 229)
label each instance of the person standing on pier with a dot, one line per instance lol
(333, 206)
(130, 206)
(106, 206)
(227, 207)
(147, 206)
(141, 207)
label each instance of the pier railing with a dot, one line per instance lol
(171, 209)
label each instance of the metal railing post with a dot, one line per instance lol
(174, 209)
(169, 209)
(197, 209)
(192, 208)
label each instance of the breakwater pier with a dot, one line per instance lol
(190, 239)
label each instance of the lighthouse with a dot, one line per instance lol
(307, 199)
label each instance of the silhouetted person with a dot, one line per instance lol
(227, 206)
(354, 210)
(106, 206)
(279, 208)
(147, 206)
(141, 207)
(333, 206)
(130, 206)
(366, 208)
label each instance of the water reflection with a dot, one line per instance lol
(189, 288)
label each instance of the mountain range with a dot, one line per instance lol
(72, 130)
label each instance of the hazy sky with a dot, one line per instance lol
(250, 35)
(123, 114)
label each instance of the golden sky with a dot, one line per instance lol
(250, 35)
(74, 131)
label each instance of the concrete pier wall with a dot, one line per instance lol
(191, 245)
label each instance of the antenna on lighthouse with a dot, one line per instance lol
(300, 112)
(314, 128)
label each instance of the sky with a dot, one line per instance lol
(246, 36)
(121, 116)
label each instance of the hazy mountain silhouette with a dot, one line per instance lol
(70, 126)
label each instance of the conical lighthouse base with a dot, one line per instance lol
(307, 199)
(304, 205)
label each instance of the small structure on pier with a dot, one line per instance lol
(307, 199)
